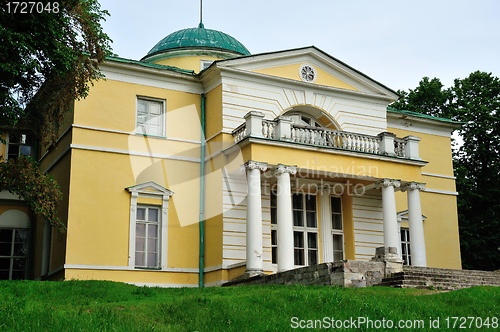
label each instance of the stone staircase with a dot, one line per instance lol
(440, 279)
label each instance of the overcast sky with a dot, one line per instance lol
(396, 42)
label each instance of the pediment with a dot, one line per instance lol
(330, 72)
(151, 188)
(403, 216)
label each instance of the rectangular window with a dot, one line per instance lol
(274, 231)
(150, 117)
(405, 246)
(19, 144)
(147, 237)
(13, 253)
(337, 229)
(305, 229)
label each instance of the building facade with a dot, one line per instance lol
(202, 162)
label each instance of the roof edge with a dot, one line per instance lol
(425, 116)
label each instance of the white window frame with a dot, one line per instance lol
(147, 224)
(204, 64)
(338, 232)
(8, 143)
(405, 243)
(306, 229)
(163, 123)
(155, 191)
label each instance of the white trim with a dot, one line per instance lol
(439, 176)
(135, 134)
(158, 192)
(127, 268)
(264, 79)
(156, 77)
(134, 153)
(420, 125)
(437, 191)
(224, 266)
(326, 62)
(223, 131)
(151, 284)
(8, 195)
(59, 157)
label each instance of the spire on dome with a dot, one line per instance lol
(201, 26)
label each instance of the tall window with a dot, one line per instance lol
(274, 231)
(305, 229)
(147, 237)
(337, 230)
(19, 144)
(13, 253)
(150, 117)
(405, 246)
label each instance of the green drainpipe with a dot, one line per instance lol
(202, 188)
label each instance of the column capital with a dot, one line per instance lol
(412, 186)
(254, 165)
(387, 183)
(281, 169)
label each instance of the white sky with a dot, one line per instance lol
(396, 42)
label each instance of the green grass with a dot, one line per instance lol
(112, 306)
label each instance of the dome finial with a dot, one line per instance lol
(201, 26)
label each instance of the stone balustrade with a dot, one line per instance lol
(282, 129)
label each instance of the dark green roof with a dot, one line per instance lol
(421, 115)
(199, 38)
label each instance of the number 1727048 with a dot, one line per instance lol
(32, 7)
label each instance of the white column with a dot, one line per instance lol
(417, 238)
(254, 217)
(285, 217)
(391, 238)
(326, 226)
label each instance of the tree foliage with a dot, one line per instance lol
(47, 61)
(475, 101)
(23, 177)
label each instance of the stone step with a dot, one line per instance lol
(446, 279)
(449, 271)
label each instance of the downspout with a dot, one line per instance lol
(202, 189)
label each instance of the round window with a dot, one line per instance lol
(307, 73)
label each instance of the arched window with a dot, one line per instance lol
(304, 119)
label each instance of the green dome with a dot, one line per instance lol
(199, 38)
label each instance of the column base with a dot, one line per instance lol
(389, 255)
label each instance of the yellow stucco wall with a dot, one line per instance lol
(332, 163)
(292, 72)
(112, 105)
(441, 226)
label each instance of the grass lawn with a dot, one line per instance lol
(111, 306)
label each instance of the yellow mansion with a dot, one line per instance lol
(202, 162)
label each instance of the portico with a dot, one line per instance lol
(325, 238)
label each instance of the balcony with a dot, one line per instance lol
(282, 129)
